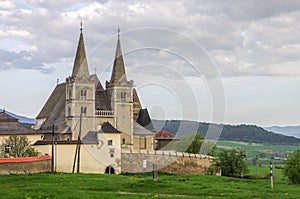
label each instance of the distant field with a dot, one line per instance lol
(253, 149)
(123, 186)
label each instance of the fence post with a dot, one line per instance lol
(154, 173)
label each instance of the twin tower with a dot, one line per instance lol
(81, 105)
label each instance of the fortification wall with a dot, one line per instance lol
(170, 162)
(25, 165)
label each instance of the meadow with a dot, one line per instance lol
(51, 186)
(262, 150)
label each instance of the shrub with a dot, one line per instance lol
(292, 168)
(231, 162)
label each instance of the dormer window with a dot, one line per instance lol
(123, 96)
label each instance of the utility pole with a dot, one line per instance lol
(52, 156)
(79, 144)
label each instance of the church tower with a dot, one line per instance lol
(120, 92)
(80, 94)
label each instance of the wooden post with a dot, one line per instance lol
(79, 144)
(154, 173)
(52, 152)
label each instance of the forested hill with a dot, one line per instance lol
(245, 133)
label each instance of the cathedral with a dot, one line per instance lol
(106, 121)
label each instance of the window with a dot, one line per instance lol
(109, 142)
(83, 94)
(69, 111)
(123, 96)
(143, 142)
(112, 153)
(123, 141)
(83, 110)
(70, 94)
(7, 148)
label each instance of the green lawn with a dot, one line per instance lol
(264, 172)
(125, 186)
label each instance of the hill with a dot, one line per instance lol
(244, 133)
(22, 119)
(285, 130)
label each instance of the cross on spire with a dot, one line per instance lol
(118, 32)
(81, 26)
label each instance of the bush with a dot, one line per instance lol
(231, 162)
(292, 168)
(17, 146)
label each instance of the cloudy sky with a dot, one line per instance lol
(221, 61)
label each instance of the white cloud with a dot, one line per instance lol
(243, 38)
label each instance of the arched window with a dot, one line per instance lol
(83, 94)
(83, 110)
(123, 96)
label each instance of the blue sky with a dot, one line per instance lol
(216, 61)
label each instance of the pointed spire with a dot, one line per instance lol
(81, 26)
(118, 72)
(80, 67)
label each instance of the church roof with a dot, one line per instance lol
(55, 116)
(136, 104)
(11, 126)
(80, 67)
(145, 120)
(118, 72)
(90, 138)
(140, 130)
(108, 128)
(52, 101)
(102, 101)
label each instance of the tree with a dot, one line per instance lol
(193, 143)
(196, 143)
(17, 146)
(231, 162)
(292, 168)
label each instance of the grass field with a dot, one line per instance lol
(253, 149)
(125, 186)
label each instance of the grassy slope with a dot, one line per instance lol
(168, 186)
(254, 149)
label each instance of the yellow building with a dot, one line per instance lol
(11, 126)
(102, 121)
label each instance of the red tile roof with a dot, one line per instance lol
(25, 159)
(162, 134)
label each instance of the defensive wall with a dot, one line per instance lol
(25, 165)
(166, 161)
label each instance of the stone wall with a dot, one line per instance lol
(170, 162)
(25, 165)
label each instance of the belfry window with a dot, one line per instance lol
(83, 94)
(70, 94)
(123, 96)
(83, 110)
